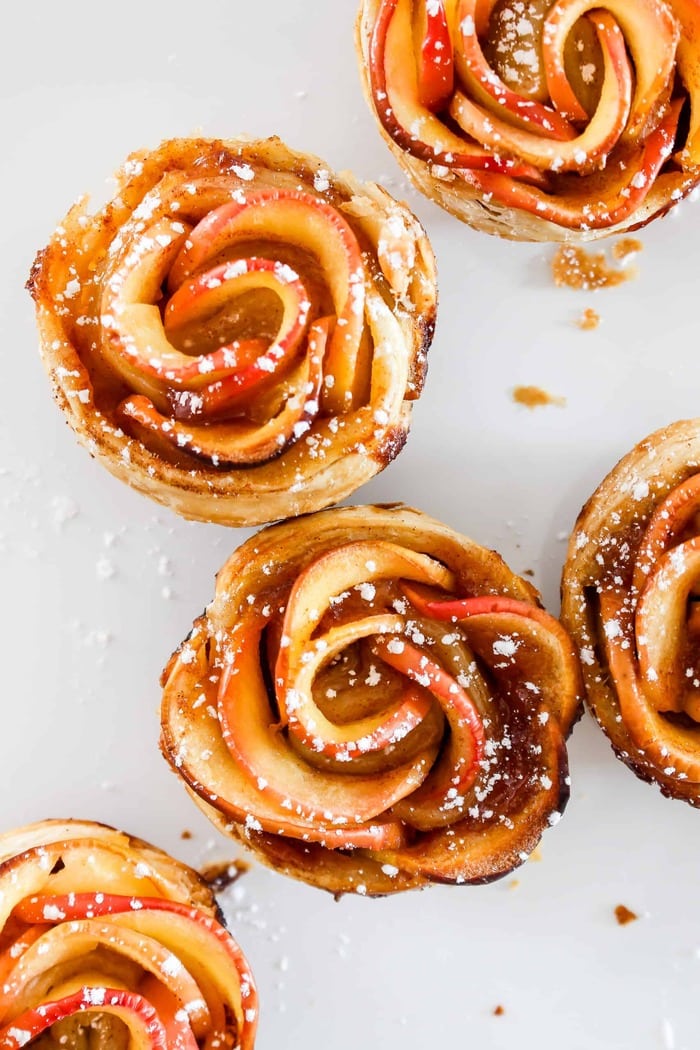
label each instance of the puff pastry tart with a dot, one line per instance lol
(547, 121)
(373, 702)
(240, 333)
(109, 943)
(631, 587)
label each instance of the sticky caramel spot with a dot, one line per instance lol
(622, 250)
(536, 855)
(498, 1011)
(588, 320)
(535, 397)
(624, 915)
(574, 267)
(221, 876)
(185, 835)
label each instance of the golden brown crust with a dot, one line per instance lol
(105, 940)
(524, 196)
(628, 599)
(271, 454)
(332, 712)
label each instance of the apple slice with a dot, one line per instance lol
(657, 739)
(661, 628)
(434, 50)
(441, 799)
(241, 442)
(651, 35)
(688, 61)
(582, 152)
(624, 191)
(146, 1030)
(414, 128)
(193, 742)
(203, 947)
(300, 219)
(666, 525)
(500, 101)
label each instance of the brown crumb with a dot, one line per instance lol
(574, 267)
(185, 835)
(222, 875)
(528, 572)
(622, 250)
(498, 1011)
(624, 915)
(536, 397)
(588, 320)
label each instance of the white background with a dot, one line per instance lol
(83, 84)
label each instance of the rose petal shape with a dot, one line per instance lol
(630, 599)
(568, 120)
(240, 333)
(373, 702)
(107, 941)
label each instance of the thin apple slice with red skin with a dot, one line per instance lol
(661, 629)
(575, 211)
(547, 654)
(16, 950)
(31, 976)
(393, 83)
(659, 741)
(189, 733)
(305, 721)
(239, 442)
(309, 223)
(178, 1032)
(434, 54)
(338, 570)
(581, 152)
(665, 526)
(441, 797)
(202, 945)
(486, 88)
(261, 751)
(146, 1031)
(651, 35)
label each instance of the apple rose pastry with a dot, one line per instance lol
(108, 943)
(373, 702)
(631, 599)
(239, 333)
(546, 121)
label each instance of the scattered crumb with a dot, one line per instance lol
(574, 267)
(513, 884)
(222, 875)
(535, 397)
(589, 320)
(536, 855)
(498, 1011)
(622, 250)
(528, 572)
(185, 835)
(624, 915)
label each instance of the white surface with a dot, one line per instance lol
(82, 85)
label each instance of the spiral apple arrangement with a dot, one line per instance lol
(630, 598)
(239, 333)
(373, 702)
(107, 941)
(565, 118)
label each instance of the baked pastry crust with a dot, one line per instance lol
(561, 123)
(373, 702)
(107, 940)
(629, 598)
(239, 333)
